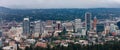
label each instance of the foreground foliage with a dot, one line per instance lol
(106, 46)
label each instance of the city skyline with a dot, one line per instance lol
(59, 24)
(40, 33)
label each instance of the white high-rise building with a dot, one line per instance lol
(113, 29)
(78, 25)
(79, 29)
(83, 32)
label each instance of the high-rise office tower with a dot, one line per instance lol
(26, 26)
(32, 24)
(38, 27)
(94, 23)
(58, 26)
(49, 26)
(88, 21)
(77, 25)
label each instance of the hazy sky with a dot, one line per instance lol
(60, 3)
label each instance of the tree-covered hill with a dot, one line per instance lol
(57, 14)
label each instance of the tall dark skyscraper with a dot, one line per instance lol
(88, 20)
(26, 26)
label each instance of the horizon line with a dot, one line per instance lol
(61, 8)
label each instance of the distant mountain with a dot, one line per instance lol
(57, 14)
(4, 9)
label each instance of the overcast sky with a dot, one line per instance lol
(60, 3)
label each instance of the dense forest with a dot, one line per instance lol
(57, 14)
(107, 46)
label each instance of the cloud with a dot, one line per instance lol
(60, 3)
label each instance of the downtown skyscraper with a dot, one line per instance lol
(39, 27)
(26, 26)
(88, 21)
(77, 25)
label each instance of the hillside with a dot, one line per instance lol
(56, 14)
